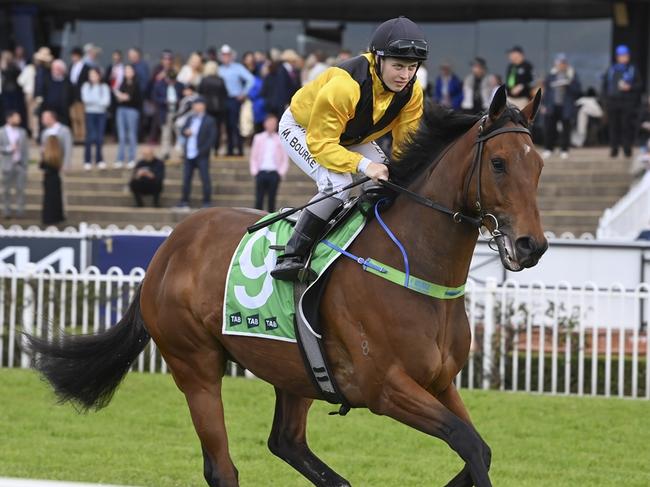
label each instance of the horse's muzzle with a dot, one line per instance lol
(525, 252)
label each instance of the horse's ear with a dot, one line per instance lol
(498, 103)
(530, 110)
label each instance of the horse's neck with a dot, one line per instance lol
(439, 249)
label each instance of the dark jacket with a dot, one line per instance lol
(621, 72)
(135, 94)
(43, 75)
(277, 89)
(207, 135)
(519, 74)
(213, 89)
(57, 97)
(156, 166)
(159, 96)
(76, 87)
(573, 90)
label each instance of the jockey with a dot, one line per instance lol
(332, 123)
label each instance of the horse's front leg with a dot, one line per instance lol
(405, 400)
(452, 401)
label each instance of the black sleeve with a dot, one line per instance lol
(159, 170)
(637, 83)
(137, 96)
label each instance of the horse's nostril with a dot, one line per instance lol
(526, 245)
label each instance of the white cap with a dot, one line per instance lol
(225, 49)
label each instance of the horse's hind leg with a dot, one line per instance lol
(288, 440)
(199, 377)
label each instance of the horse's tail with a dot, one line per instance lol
(86, 369)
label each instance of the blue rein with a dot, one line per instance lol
(367, 262)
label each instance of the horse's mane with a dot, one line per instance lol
(438, 128)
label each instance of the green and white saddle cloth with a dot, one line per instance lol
(259, 306)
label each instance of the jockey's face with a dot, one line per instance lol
(396, 73)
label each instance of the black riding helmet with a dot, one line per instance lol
(398, 38)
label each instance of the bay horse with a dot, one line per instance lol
(393, 351)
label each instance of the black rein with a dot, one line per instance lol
(458, 216)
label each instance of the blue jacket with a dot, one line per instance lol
(455, 91)
(572, 93)
(255, 95)
(159, 96)
(207, 135)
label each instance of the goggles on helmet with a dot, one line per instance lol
(404, 48)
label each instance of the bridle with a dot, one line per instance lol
(458, 216)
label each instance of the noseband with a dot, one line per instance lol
(459, 216)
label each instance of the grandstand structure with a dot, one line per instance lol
(572, 196)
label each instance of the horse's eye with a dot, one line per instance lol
(499, 165)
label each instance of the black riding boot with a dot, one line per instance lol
(307, 230)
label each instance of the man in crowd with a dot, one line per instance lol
(165, 65)
(621, 92)
(200, 131)
(78, 76)
(448, 90)
(166, 94)
(561, 90)
(519, 77)
(57, 92)
(14, 156)
(238, 83)
(269, 163)
(476, 88)
(114, 73)
(91, 52)
(53, 127)
(148, 176)
(140, 67)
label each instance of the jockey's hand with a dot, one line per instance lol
(377, 171)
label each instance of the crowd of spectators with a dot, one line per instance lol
(188, 107)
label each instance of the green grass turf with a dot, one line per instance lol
(145, 438)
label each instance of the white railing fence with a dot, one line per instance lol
(559, 339)
(630, 215)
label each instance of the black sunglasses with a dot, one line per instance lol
(403, 47)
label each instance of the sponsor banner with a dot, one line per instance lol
(42, 252)
(124, 251)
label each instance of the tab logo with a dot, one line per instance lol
(253, 321)
(271, 323)
(235, 319)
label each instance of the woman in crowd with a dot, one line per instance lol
(192, 72)
(256, 97)
(51, 164)
(129, 104)
(249, 62)
(213, 89)
(96, 97)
